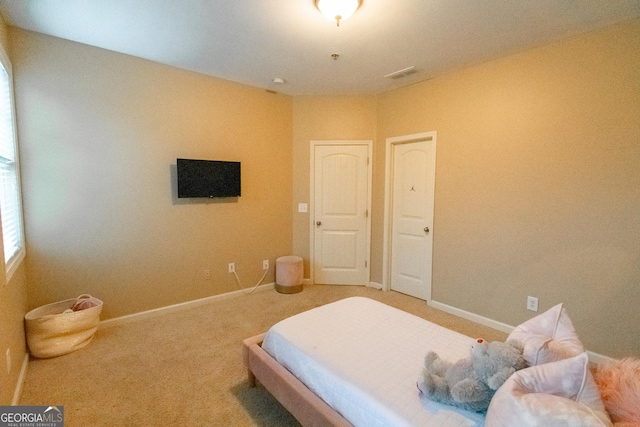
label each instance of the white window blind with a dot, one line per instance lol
(10, 203)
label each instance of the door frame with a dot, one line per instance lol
(388, 201)
(313, 144)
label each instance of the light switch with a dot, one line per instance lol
(302, 207)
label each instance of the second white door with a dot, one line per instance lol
(413, 179)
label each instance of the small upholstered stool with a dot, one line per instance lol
(289, 273)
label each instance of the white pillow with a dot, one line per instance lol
(555, 394)
(548, 337)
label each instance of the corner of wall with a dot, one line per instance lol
(13, 307)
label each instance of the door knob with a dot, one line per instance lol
(318, 223)
(426, 229)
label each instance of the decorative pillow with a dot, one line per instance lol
(555, 394)
(548, 337)
(619, 385)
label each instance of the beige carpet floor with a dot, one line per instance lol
(184, 367)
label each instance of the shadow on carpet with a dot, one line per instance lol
(262, 407)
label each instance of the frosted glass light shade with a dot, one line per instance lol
(337, 10)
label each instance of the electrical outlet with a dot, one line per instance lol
(232, 267)
(265, 264)
(532, 303)
(8, 354)
(206, 274)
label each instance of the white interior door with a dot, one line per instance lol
(341, 177)
(412, 195)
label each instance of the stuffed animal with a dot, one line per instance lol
(471, 383)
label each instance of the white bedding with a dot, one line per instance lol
(364, 358)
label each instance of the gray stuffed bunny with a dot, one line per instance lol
(471, 383)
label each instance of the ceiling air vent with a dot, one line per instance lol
(402, 73)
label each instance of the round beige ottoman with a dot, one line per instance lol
(289, 273)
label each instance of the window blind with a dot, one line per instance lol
(10, 206)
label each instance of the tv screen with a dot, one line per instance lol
(208, 178)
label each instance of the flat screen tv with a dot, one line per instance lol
(208, 178)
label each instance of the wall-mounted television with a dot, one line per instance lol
(208, 178)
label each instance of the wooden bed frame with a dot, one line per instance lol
(301, 402)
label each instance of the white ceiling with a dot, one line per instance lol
(255, 41)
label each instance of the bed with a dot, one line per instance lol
(355, 362)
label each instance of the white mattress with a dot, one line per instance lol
(364, 358)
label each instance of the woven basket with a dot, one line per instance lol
(56, 329)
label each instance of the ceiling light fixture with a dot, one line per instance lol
(337, 9)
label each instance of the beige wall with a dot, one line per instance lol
(100, 134)
(537, 183)
(13, 305)
(320, 118)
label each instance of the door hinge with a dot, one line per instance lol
(365, 264)
(367, 161)
(366, 213)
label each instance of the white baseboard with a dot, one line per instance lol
(593, 357)
(175, 307)
(472, 316)
(23, 374)
(368, 285)
(375, 285)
